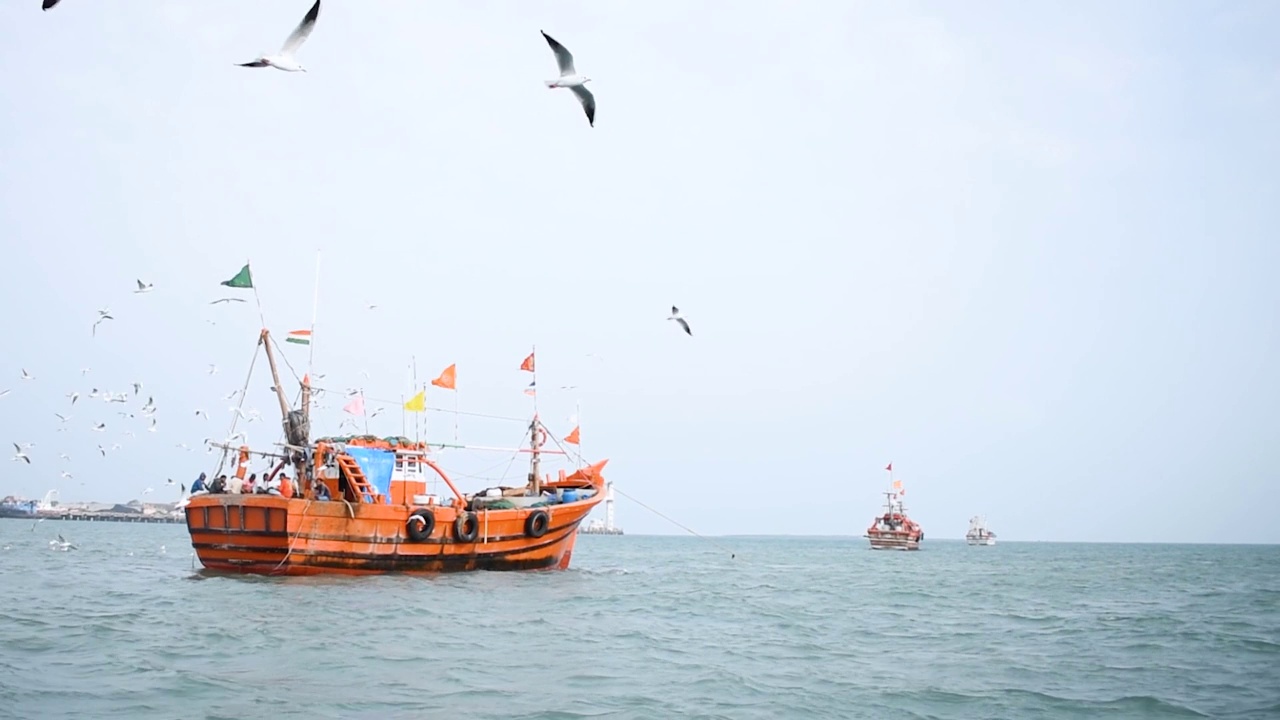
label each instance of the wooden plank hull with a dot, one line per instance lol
(894, 541)
(269, 535)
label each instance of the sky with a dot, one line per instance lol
(1026, 252)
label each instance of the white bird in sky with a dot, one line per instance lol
(62, 418)
(569, 78)
(102, 450)
(100, 427)
(152, 428)
(66, 475)
(147, 491)
(64, 456)
(102, 315)
(213, 369)
(143, 287)
(223, 300)
(232, 395)
(201, 412)
(137, 388)
(675, 315)
(74, 397)
(27, 376)
(4, 392)
(284, 60)
(19, 455)
(84, 371)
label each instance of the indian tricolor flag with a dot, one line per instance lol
(300, 337)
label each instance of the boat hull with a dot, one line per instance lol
(269, 535)
(894, 542)
(981, 541)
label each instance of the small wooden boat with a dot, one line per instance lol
(359, 505)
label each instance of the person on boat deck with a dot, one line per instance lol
(286, 486)
(219, 485)
(248, 484)
(271, 486)
(198, 486)
(235, 484)
(321, 491)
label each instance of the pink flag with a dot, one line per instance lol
(356, 406)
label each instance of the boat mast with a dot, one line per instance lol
(275, 375)
(535, 478)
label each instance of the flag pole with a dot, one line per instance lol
(364, 411)
(261, 316)
(534, 354)
(577, 415)
(414, 363)
(403, 429)
(315, 304)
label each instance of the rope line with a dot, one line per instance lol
(691, 531)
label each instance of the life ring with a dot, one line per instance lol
(420, 525)
(466, 527)
(539, 437)
(537, 524)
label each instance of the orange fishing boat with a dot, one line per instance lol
(893, 529)
(360, 505)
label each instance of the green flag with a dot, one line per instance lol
(241, 280)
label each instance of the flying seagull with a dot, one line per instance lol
(143, 287)
(569, 78)
(19, 455)
(675, 315)
(137, 388)
(102, 315)
(74, 396)
(4, 392)
(284, 59)
(100, 427)
(222, 300)
(27, 376)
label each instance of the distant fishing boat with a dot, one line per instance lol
(380, 518)
(893, 529)
(978, 533)
(16, 507)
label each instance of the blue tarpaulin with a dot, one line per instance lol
(377, 466)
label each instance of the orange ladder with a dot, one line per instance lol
(356, 477)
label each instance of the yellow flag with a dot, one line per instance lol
(417, 403)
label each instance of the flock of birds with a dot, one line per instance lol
(286, 60)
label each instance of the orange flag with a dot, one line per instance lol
(448, 378)
(528, 363)
(572, 437)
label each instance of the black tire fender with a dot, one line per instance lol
(466, 527)
(420, 525)
(537, 524)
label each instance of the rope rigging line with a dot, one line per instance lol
(244, 391)
(732, 554)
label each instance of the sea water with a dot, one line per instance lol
(127, 626)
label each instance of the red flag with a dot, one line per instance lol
(572, 437)
(527, 365)
(889, 467)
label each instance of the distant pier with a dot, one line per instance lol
(115, 517)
